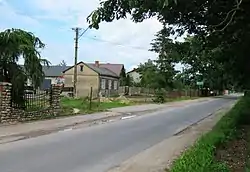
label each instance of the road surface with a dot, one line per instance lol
(101, 147)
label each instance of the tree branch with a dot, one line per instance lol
(233, 11)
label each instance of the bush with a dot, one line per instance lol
(200, 157)
(160, 96)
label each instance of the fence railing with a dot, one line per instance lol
(32, 101)
(33, 105)
(140, 91)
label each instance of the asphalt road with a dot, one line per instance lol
(98, 148)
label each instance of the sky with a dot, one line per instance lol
(122, 41)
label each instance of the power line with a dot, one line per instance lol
(117, 44)
(83, 32)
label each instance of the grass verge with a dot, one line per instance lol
(84, 106)
(201, 156)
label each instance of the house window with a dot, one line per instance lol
(115, 85)
(103, 84)
(81, 68)
(110, 84)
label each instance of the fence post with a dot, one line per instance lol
(90, 98)
(55, 99)
(5, 109)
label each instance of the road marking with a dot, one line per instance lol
(112, 120)
(128, 117)
(67, 129)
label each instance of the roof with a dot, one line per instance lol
(100, 70)
(54, 70)
(134, 70)
(115, 68)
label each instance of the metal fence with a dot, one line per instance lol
(34, 100)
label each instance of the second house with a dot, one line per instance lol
(102, 78)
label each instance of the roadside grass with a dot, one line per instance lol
(84, 106)
(201, 156)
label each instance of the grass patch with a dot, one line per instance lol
(201, 156)
(68, 104)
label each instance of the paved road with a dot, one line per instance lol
(98, 148)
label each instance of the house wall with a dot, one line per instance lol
(135, 76)
(53, 79)
(109, 90)
(86, 79)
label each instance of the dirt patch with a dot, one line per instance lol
(234, 153)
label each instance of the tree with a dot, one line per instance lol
(150, 77)
(123, 77)
(14, 45)
(223, 27)
(62, 63)
(167, 56)
(129, 81)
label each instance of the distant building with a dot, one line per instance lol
(102, 78)
(53, 75)
(135, 75)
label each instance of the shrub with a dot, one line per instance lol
(160, 96)
(200, 157)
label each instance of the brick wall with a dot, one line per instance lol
(9, 114)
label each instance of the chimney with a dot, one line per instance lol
(97, 63)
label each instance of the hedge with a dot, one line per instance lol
(200, 157)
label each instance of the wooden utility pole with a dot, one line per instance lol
(76, 56)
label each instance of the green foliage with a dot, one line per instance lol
(16, 44)
(149, 74)
(219, 51)
(159, 96)
(200, 158)
(83, 104)
(123, 77)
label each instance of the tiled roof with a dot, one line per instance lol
(101, 70)
(133, 70)
(54, 70)
(116, 68)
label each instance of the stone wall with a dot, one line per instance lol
(9, 114)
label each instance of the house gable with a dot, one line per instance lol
(82, 69)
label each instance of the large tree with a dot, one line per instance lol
(168, 56)
(16, 45)
(223, 27)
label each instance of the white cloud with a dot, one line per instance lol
(9, 18)
(74, 13)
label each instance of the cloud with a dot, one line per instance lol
(52, 22)
(10, 17)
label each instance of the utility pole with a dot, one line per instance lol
(77, 37)
(76, 56)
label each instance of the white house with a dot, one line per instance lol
(135, 75)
